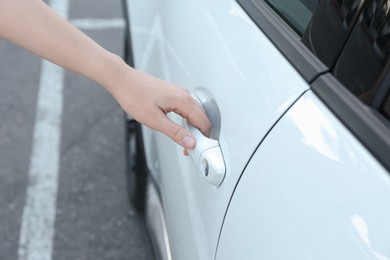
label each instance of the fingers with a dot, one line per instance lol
(152, 99)
(199, 119)
(190, 109)
(177, 133)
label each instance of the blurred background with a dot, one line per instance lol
(94, 219)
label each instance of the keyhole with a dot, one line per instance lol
(205, 167)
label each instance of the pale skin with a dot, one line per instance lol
(32, 25)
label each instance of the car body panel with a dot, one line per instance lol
(313, 212)
(214, 45)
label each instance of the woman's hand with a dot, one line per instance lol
(148, 100)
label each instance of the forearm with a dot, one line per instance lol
(35, 27)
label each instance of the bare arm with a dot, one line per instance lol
(35, 27)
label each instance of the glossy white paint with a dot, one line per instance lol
(215, 45)
(334, 205)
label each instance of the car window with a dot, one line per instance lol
(322, 25)
(351, 38)
(386, 107)
(361, 64)
(357, 87)
(296, 13)
(329, 28)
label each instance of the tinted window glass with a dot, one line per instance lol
(329, 27)
(386, 107)
(296, 13)
(323, 25)
(360, 65)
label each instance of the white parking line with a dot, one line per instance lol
(98, 24)
(38, 220)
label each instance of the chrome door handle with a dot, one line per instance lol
(207, 154)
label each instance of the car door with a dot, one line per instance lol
(214, 46)
(328, 196)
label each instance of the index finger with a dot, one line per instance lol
(192, 110)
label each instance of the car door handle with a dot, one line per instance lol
(207, 155)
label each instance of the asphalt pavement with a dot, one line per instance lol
(93, 217)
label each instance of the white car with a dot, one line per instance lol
(297, 166)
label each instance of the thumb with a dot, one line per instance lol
(177, 133)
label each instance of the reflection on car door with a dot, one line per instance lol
(213, 45)
(333, 205)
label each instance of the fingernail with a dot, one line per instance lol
(189, 142)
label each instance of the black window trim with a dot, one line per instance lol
(284, 38)
(367, 124)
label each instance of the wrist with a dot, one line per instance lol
(111, 72)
